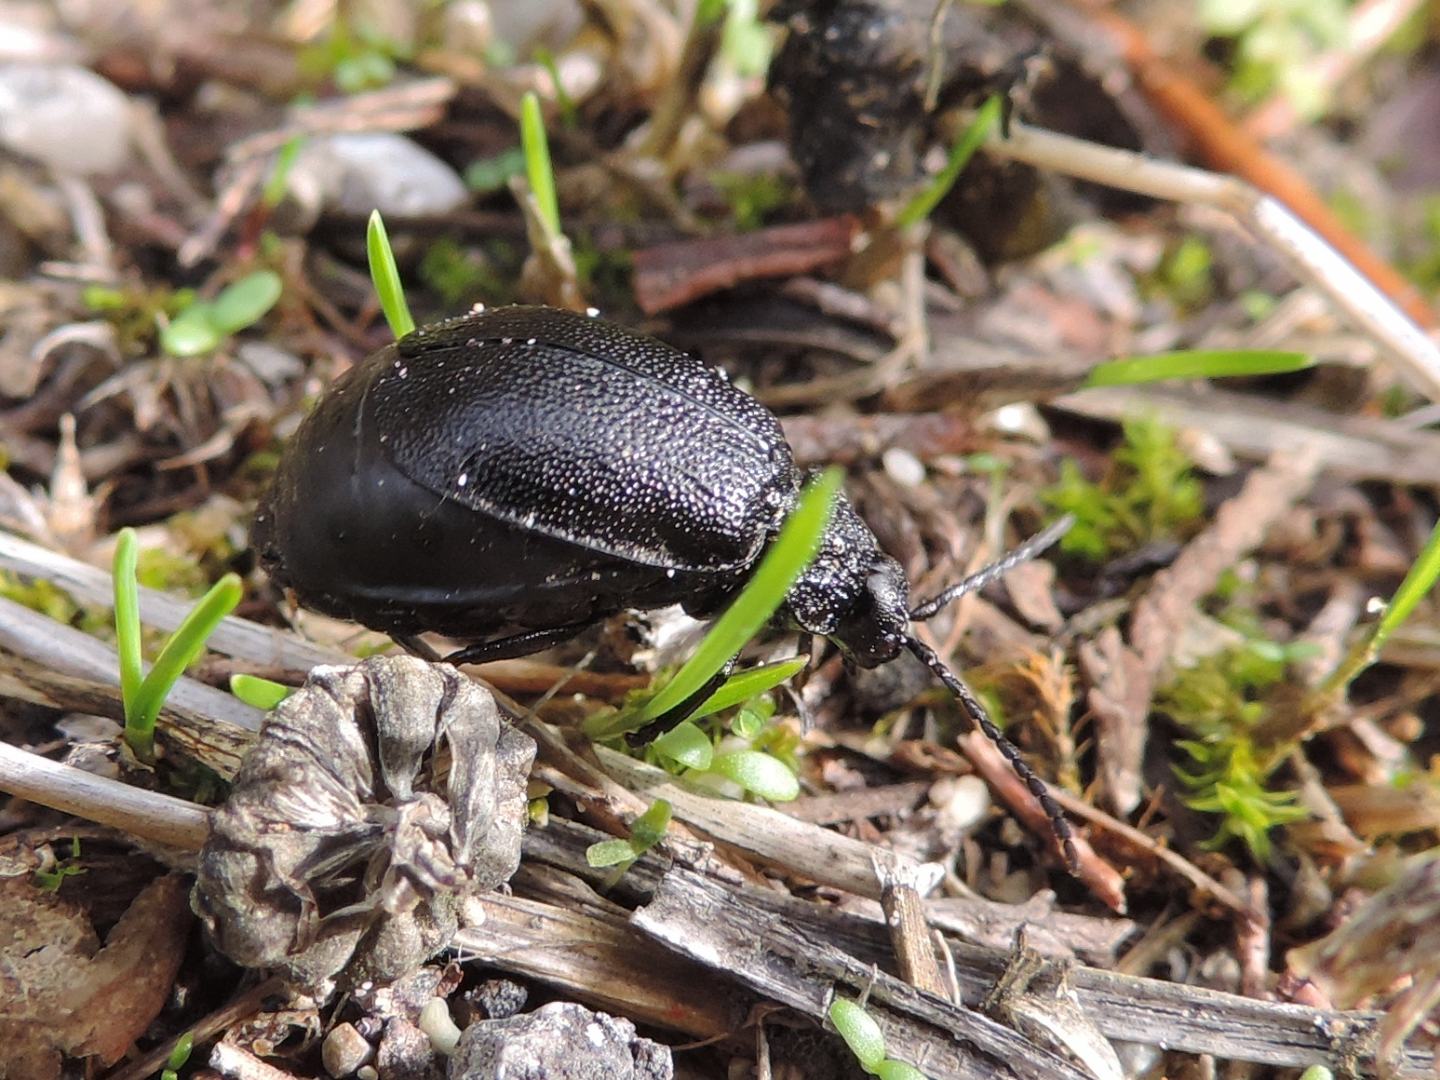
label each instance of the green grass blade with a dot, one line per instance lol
(750, 683)
(179, 653)
(986, 117)
(127, 620)
(1418, 582)
(1197, 364)
(538, 171)
(791, 552)
(386, 276)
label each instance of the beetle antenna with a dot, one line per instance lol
(1059, 824)
(978, 580)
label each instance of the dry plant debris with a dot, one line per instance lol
(337, 850)
(1255, 790)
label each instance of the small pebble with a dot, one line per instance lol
(903, 467)
(344, 1051)
(65, 116)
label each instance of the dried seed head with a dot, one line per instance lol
(350, 836)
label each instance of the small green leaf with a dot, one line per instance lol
(788, 556)
(750, 683)
(261, 693)
(245, 302)
(758, 773)
(1197, 364)
(181, 1054)
(491, 174)
(127, 620)
(609, 853)
(986, 117)
(191, 333)
(538, 170)
(860, 1032)
(890, 1069)
(649, 828)
(386, 277)
(686, 745)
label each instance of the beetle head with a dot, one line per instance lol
(876, 626)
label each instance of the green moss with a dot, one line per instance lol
(1149, 493)
(1221, 701)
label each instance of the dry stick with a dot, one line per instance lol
(1415, 356)
(162, 819)
(1226, 146)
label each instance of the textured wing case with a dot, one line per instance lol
(580, 430)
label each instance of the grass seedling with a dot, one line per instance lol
(278, 182)
(1417, 584)
(970, 140)
(202, 325)
(538, 171)
(647, 830)
(386, 276)
(1197, 364)
(142, 694)
(794, 547)
(569, 115)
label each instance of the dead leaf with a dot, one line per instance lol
(61, 993)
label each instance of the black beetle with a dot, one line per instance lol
(511, 477)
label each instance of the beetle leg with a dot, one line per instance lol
(416, 646)
(671, 717)
(522, 644)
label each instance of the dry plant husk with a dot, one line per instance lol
(345, 850)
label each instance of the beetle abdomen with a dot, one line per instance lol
(583, 431)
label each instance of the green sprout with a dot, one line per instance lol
(144, 694)
(178, 1056)
(1221, 701)
(51, 878)
(386, 277)
(1197, 364)
(867, 1042)
(485, 176)
(787, 557)
(354, 60)
(1418, 582)
(278, 182)
(763, 767)
(645, 832)
(538, 171)
(569, 115)
(261, 693)
(1149, 493)
(201, 326)
(970, 140)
